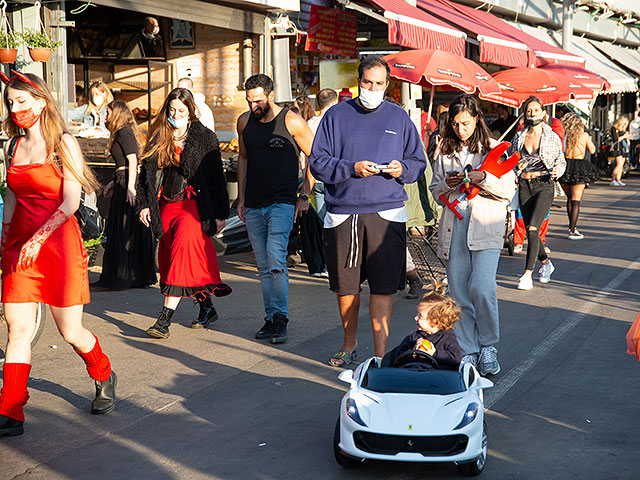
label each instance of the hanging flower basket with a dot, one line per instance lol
(39, 54)
(8, 55)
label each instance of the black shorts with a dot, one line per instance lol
(366, 247)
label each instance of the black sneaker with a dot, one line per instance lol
(279, 334)
(266, 331)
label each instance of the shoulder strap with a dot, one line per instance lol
(11, 151)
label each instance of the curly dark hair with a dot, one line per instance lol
(259, 80)
(481, 137)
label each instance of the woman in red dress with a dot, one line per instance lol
(182, 196)
(43, 258)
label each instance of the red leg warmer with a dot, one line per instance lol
(14, 394)
(98, 364)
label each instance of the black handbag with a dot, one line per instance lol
(89, 220)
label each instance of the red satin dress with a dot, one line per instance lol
(58, 277)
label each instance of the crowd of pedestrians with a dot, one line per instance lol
(354, 158)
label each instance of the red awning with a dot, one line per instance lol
(495, 46)
(412, 27)
(500, 43)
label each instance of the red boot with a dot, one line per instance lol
(13, 397)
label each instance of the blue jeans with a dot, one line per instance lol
(268, 230)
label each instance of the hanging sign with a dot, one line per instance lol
(332, 31)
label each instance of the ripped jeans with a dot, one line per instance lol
(268, 230)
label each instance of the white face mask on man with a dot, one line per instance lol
(371, 99)
(156, 31)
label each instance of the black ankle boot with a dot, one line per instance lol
(11, 427)
(279, 332)
(160, 329)
(207, 314)
(105, 395)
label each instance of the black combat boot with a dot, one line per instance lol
(207, 313)
(279, 333)
(160, 329)
(11, 427)
(105, 395)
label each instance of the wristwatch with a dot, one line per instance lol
(304, 197)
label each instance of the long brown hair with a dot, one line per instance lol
(480, 141)
(122, 116)
(52, 126)
(305, 107)
(160, 140)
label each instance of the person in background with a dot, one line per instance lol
(542, 163)
(182, 196)
(504, 123)
(81, 97)
(150, 38)
(579, 172)
(205, 115)
(619, 149)
(94, 113)
(129, 259)
(427, 128)
(270, 139)
(471, 247)
(43, 258)
(305, 107)
(435, 139)
(634, 137)
(365, 150)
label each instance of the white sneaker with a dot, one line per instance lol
(546, 271)
(517, 248)
(575, 235)
(615, 183)
(621, 184)
(525, 283)
(489, 361)
(471, 358)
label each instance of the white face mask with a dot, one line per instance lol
(371, 99)
(97, 100)
(178, 122)
(156, 30)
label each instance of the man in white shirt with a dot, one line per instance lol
(205, 115)
(634, 132)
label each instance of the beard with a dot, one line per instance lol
(259, 113)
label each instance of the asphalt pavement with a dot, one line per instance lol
(218, 404)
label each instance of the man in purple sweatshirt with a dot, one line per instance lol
(364, 151)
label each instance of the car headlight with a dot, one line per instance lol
(469, 415)
(352, 411)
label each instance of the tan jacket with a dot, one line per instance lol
(488, 209)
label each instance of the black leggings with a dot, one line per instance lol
(536, 197)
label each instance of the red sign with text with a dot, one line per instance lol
(332, 31)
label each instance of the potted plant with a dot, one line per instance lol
(8, 50)
(39, 44)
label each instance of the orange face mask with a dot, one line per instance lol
(25, 118)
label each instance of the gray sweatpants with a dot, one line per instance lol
(472, 284)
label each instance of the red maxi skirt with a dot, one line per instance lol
(187, 259)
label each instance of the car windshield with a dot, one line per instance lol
(401, 380)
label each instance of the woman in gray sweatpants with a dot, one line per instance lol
(471, 246)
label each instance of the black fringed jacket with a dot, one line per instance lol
(201, 165)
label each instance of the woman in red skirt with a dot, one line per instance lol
(182, 196)
(43, 257)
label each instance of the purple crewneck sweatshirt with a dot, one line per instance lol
(348, 134)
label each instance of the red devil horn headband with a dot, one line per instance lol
(17, 76)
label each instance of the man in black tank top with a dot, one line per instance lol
(271, 138)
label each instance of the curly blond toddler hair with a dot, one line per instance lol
(443, 310)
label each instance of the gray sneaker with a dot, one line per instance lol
(545, 272)
(471, 358)
(489, 361)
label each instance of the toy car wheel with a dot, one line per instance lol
(346, 461)
(475, 467)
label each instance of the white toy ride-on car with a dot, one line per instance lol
(413, 412)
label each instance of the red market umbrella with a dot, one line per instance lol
(518, 84)
(431, 68)
(583, 83)
(436, 67)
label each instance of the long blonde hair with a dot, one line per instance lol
(160, 141)
(52, 126)
(122, 116)
(573, 127)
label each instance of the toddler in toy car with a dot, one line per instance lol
(436, 316)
